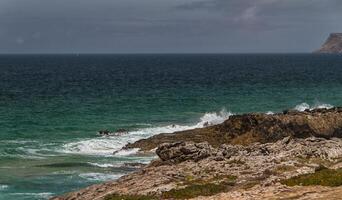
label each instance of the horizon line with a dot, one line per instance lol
(158, 53)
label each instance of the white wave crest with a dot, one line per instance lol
(304, 106)
(107, 145)
(127, 152)
(3, 187)
(100, 176)
(104, 165)
(42, 195)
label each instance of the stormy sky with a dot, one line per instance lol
(166, 26)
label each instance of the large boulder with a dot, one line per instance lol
(182, 151)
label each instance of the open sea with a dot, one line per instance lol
(51, 107)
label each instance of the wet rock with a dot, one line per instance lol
(104, 132)
(118, 132)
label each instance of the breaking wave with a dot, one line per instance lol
(304, 106)
(100, 176)
(42, 195)
(108, 145)
(104, 165)
(3, 187)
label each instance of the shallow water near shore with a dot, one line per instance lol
(51, 107)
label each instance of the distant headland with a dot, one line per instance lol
(332, 45)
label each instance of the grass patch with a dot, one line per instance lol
(226, 178)
(197, 190)
(129, 197)
(192, 189)
(324, 177)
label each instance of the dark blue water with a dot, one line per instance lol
(51, 107)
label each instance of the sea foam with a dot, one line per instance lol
(42, 195)
(304, 106)
(100, 176)
(107, 145)
(3, 187)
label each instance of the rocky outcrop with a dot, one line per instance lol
(248, 156)
(332, 45)
(280, 192)
(258, 166)
(256, 127)
(182, 151)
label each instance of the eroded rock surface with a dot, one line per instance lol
(257, 168)
(181, 151)
(250, 128)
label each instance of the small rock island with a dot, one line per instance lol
(332, 45)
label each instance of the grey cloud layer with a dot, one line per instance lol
(133, 26)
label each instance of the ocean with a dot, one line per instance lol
(51, 107)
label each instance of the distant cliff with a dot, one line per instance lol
(332, 45)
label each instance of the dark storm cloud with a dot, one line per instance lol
(119, 26)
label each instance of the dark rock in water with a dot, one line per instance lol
(104, 132)
(118, 132)
(332, 45)
(206, 124)
(256, 127)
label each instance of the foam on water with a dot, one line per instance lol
(303, 106)
(104, 165)
(100, 176)
(126, 152)
(108, 145)
(42, 195)
(3, 187)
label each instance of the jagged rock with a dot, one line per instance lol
(257, 149)
(182, 151)
(250, 128)
(261, 164)
(332, 45)
(104, 132)
(178, 152)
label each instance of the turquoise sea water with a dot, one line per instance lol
(51, 107)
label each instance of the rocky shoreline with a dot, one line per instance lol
(291, 155)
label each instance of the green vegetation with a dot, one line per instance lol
(129, 197)
(197, 190)
(323, 176)
(192, 189)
